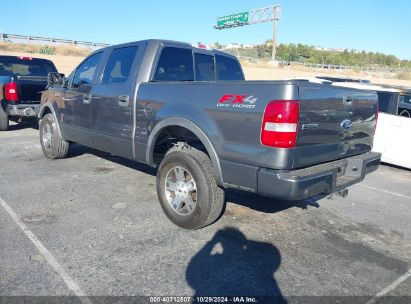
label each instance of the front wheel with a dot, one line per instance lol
(52, 144)
(187, 188)
(4, 119)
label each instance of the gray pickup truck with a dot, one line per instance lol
(189, 112)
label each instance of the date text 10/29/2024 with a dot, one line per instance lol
(203, 299)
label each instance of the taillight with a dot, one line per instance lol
(11, 92)
(280, 124)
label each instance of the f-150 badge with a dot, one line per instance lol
(237, 101)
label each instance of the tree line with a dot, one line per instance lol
(309, 54)
(304, 53)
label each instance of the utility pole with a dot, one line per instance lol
(276, 10)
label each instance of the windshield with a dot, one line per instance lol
(15, 66)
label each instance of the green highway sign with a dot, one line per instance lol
(233, 20)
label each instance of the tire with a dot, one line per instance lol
(52, 144)
(4, 119)
(405, 113)
(199, 208)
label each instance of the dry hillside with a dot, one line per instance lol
(65, 64)
(263, 71)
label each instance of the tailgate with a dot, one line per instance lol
(334, 123)
(30, 89)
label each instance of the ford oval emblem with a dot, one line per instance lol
(346, 124)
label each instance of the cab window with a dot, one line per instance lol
(405, 99)
(175, 64)
(228, 68)
(204, 65)
(384, 100)
(119, 64)
(86, 71)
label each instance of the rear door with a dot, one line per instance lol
(112, 100)
(76, 102)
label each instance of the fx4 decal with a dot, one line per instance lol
(237, 101)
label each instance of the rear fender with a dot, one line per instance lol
(181, 122)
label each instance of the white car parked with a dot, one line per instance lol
(392, 139)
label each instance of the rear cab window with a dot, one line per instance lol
(25, 66)
(204, 66)
(182, 64)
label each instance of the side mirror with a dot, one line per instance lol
(55, 79)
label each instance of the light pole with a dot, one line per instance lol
(276, 10)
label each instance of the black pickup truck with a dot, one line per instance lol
(189, 112)
(22, 80)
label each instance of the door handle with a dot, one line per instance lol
(347, 99)
(68, 99)
(87, 98)
(123, 100)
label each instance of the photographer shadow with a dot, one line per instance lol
(234, 266)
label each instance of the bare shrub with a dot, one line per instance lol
(404, 76)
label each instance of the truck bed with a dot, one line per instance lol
(235, 127)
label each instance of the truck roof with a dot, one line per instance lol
(165, 42)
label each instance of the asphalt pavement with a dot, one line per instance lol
(91, 225)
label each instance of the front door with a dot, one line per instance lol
(76, 102)
(112, 107)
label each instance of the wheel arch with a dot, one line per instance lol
(47, 108)
(405, 111)
(196, 130)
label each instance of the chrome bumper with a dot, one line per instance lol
(23, 110)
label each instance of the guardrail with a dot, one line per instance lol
(29, 38)
(369, 68)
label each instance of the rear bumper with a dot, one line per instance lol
(23, 110)
(320, 179)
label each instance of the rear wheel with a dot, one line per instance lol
(52, 144)
(4, 119)
(187, 188)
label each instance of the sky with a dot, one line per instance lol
(378, 26)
